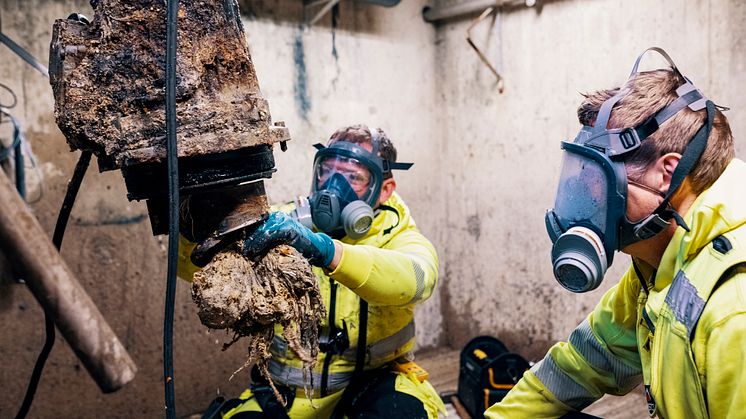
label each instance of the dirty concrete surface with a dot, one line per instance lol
(486, 166)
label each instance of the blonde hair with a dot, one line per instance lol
(647, 93)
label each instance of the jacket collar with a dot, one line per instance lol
(716, 211)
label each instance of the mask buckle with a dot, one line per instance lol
(629, 139)
(650, 226)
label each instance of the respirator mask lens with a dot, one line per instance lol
(353, 171)
(339, 184)
(582, 193)
(579, 257)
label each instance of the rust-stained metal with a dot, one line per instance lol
(108, 82)
(52, 283)
(478, 20)
(215, 219)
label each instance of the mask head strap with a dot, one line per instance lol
(688, 160)
(689, 96)
(658, 220)
(661, 52)
(386, 165)
(621, 141)
(617, 142)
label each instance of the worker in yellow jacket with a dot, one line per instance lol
(374, 266)
(653, 174)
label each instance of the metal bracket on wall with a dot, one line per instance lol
(487, 12)
(327, 6)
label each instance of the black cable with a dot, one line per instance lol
(12, 95)
(72, 192)
(16, 148)
(20, 169)
(5, 151)
(59, 232)
(173, 196)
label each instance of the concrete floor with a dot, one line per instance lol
(443, 365)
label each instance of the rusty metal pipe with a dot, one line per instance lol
(52, 283)
(433, 14)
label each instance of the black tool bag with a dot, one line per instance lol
(487, 372)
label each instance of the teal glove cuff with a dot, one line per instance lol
(325, 246)
(279, 228)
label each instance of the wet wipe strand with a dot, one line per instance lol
(249, 297)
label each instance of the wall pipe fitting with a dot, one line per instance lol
(434, 14)
(52, 283)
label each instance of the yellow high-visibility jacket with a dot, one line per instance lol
(393, 267)
(684, 337)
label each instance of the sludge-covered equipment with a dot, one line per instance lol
(108, 80)
(166, 92)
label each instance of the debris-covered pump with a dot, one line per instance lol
(108, 80)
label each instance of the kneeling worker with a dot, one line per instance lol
(374, 267)
(652, 173)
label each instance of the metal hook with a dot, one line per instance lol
(485, 13)
(328, 4)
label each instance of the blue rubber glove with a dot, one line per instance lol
(279, 228)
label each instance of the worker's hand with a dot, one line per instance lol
(279, 228)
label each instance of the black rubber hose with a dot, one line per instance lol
(59, 232)
(20, 170)
(173, 198)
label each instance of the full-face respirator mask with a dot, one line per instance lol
(345, 188)
(588, 222)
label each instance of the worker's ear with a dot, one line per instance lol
(387, 188)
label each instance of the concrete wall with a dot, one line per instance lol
(486, 167)
(376, 67)
(373, 67)
(501, 155)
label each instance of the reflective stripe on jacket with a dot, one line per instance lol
(393, 268)
(683, 335)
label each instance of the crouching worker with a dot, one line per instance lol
(652, 173)
(374, 267)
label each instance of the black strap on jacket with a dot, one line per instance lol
(345, 401)
(646, 284)
(266, 398)
(362, 338)
(398, 217)
(271, 407)
(688, 160)
(332, 324)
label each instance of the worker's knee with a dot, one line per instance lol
(246, 406)
(423, 391)
(391, 396)
(248, 415)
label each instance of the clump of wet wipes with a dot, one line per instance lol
(250, 296)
